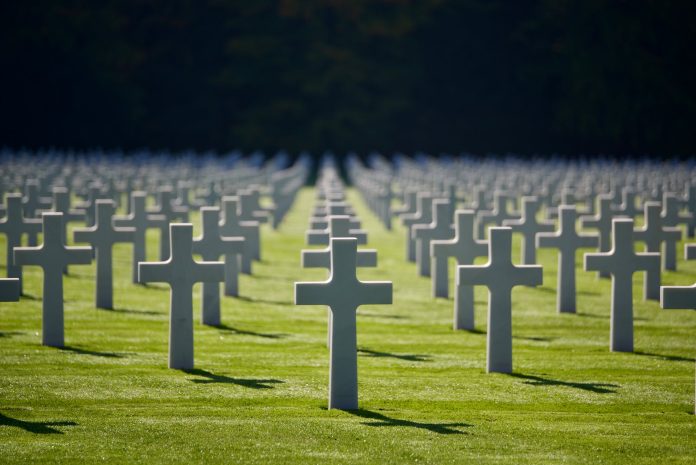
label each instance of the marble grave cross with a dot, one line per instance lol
(102, 237)
(654, 234)
(528, 226)
(500, 275)
(9, 289)
(602, 222)
(621, 262)
(680, 297)
(14, 225)
(339, 226)
(140, 220)
(211, 245)
(343, 292)
(181, 272)
(464, 247)
(52, 256)
(499, 213)
(232, 226)
(439, 228)
(172, 211)
(567, 241)
(423, 215)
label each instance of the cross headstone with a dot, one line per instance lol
(567, 241)
(528, 226)
(102, 237)
(602, 223)
(61, 204)
(140, 220)
(423, 215)
(621, 262)
(439, 228)
(464, 247)
(14, 225)
(339, 226)
(671, 214)
(690, 202)
(9, 289)
(232, 226)
(181, 272)
(500, 212)
(343, 293)
(660, 239)
(211, 245)
(172, 211)
(499, 275)
(52, 256)
(680, 297)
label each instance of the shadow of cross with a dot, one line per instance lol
(210, 378)
(464, 247)
(14, 225)
(211, 245)
(406, 357)
(36, 427)
(181, 272)
(621, 262)
(567, 241)
(52, 256)
(343, 293)
(500, 276)
(599, 388)
(102, 236)
(383, 420)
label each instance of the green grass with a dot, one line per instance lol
(259, 391)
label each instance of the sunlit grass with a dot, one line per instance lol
(259, 390)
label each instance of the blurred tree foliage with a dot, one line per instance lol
(524, 76)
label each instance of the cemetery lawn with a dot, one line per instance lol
(259, 390)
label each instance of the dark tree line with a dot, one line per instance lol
(523, 76)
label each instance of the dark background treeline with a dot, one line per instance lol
(614, 77)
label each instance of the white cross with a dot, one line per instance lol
(423, 215)
(464, 248)
(211, 245)
(52, 256)
(567, 241)
(61, 204)
(500, 276)
(602, 222)
(343, 293)
(140, 220)
(439, 228)
(232, 226)
(499, 213)
(167, 206)
(528, 226)
(14, 225)
(339, 226)
(181, 272)
(621, 262)
(654, 234)
(680, 297)
(9, 289)
(102, 237)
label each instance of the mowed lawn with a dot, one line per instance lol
(259, 390)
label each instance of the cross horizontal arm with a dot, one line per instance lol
(313, 293)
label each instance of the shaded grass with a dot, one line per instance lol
(258, 392)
